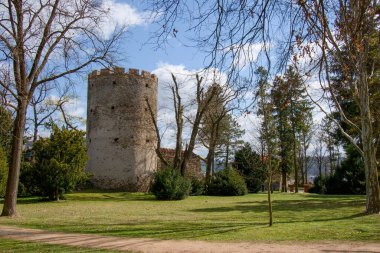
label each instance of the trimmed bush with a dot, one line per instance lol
(168, 184)
(197, 186)
(227, 182)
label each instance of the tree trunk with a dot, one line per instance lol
(295, 162)
(369, 151)
(209, 160)
(178, 147)
(284, 187)
(189, 150)
(306, 181)
(331, 158)
(10, 199)
(35, 130)
(302, 167)
(305, 165)
(270, 199)
(227, 156)
(56, 197)
(213, 167)
(270, 189)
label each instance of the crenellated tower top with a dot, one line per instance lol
(121, 71)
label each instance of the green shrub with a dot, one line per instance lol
(3, 172)
(168, 184)
(254, 183)
(59, 163)
(197, 186)
(248, 163)
(348, 178)
(319, 186)
(29, 183)
(227, 182)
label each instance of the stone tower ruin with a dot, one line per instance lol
(120, 133)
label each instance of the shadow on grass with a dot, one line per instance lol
(9, 245)
(29, 200)
(286, 205)
(162, 230)
(301, 206)
(121, 196)
(109, 196)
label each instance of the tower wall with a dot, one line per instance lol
(120, 133)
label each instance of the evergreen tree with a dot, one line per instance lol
(281, 113)
(300, 115)
(229, 140)
(292, 113)
(250, 166)
(59, 162)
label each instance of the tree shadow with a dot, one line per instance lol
(29, 200)
(159, 229)
(121, 196)
(307, 205)
(88, 196)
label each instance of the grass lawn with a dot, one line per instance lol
(300, 217)
(7, 245)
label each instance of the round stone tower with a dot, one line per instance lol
(120, 132)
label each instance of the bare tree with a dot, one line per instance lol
(157, 130)
(42, 41)
(178, 109)
(230, 32)
(217, 121)
(44, 107)
(355, 21)
(201, 102)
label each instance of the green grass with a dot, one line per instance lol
(299, 217)
(7, 245)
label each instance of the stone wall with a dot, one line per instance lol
(193, 167)
(120, 134)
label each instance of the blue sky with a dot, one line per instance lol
(137, 52)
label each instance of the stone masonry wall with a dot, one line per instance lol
(193, 167)
(120, 134)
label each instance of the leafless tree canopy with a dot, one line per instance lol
(41, 42)
(232, 32)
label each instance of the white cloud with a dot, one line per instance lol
(122, 15)
(251, 125)
(76, 108)
(244, 55)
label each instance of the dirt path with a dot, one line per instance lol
(188, 246)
